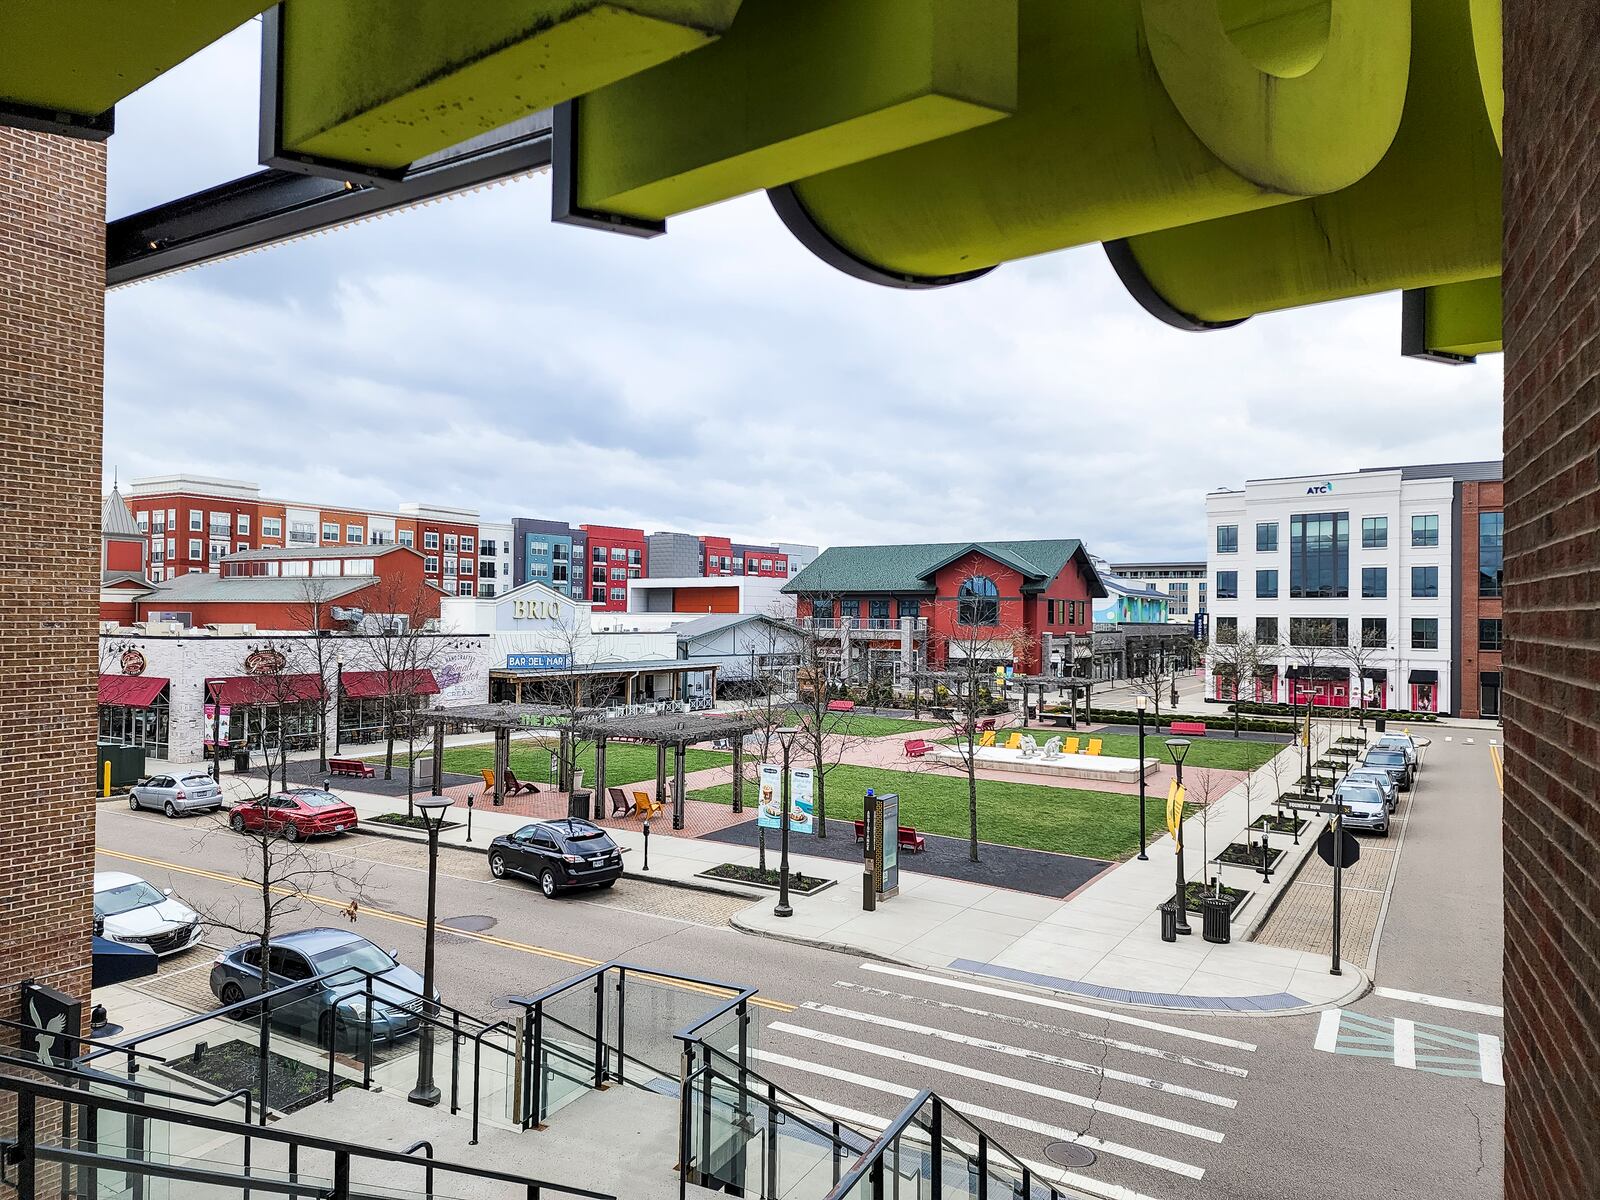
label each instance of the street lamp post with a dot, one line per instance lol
(783, 908)
(1178, 748)
(338, 697)
(433, 810)
(1140, 703)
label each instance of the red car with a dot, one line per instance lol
(295, 814)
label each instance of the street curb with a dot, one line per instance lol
(400, 835)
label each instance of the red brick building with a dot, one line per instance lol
(1015, 602)
(616, 555)
(123, 578)
(1480, 626)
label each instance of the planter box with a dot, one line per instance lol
(812, 885)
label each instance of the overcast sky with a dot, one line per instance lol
(719, 379)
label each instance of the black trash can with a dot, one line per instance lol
(241, 760)
(1380, 723)
(578, 803)
(1169, 922)
(1216, 920)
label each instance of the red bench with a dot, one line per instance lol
(1197, 728)
(916, 748)
(906, 837)
(349, 766)
(986, 724)
(841, 706)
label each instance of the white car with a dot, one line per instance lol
(131, 911)
(1403, 742)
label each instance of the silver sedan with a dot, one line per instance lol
(184, 792)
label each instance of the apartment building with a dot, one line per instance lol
(616, 554)
(1365, 587)
(551, 553)
(678, 555)
(1183, 583)
(496, 558)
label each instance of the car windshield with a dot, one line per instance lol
(197, 781)
(1360, 795)
(361, 955)
(318, 799)
(586, 835)
(1386, 758)
(125, 898)
(1374, 777)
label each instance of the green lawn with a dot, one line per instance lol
(626, 762)
(1224, 753)
(867, 725)
(1064, 820)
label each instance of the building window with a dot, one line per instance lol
(1489, 633)
(978, 602)
(1424, 633)
(618, 594)
(485, 569)
(142, 520)
(272, 527)
(464, 587)
(822, 610)
(635, 558)
(158, 552)
(1227, 585)
(357, 566)
(1319, 555)
(597, 575)
(449, 564)
(1266, 585)
(195, 552)
(355, 535)
(1424, 583)
(1374, 632)
(407, 539)
(1491, 553)
(242, 547)
(878, 610)
(468, 541)
(1227, 631)
(330, 531)
(618, 554)
(598, 594)
(378, 538)
(1374, 583)
(619, 573)
(325, 566)
(1319, 631)
(302, 533)
(1267, 631)
(195, 520)
(1267, 536)
(598, 554)
(1425, 530)
(911, 608)
(486, 589)
(850, 610)
(430, 540)
(1374, 533)
(1227, 539)
(449, 543)
(430, 565)
(218, 549)
(242, 523)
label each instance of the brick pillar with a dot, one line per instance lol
(1552, 654)
(52, 326)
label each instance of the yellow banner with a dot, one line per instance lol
(1175, 810)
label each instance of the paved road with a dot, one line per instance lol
(1174, 1107)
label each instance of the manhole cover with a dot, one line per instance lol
(1069, 1154)
(470, 924)
(507, 1001)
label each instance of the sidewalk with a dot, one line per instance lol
(1101, 942)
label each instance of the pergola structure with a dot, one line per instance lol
(677, 730)
(503, 719)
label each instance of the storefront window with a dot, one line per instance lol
(124, 725)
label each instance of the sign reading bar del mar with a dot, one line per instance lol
(538, 662)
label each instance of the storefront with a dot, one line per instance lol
(135, 711)
(1374, 688)
(525, 680)
(1325, 687)
(1489, 693)
(1424, 691)
(367, 697)
(252, 712)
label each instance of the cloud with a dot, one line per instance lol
(720, 379)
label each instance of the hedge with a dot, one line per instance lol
(1109, 716)
(1354, 714)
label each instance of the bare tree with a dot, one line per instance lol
(1159, 680)
(397, 644)
(772, 670)
(278, 689)
(825, 733)
(1360, 655)
(1242, 660)
(313, 612)
(1313, 650)
(1208, 785)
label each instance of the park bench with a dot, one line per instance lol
(986, 723)
(906, 837)
(916, 748)
(841, 706)
(1196, 728)
(350, 766)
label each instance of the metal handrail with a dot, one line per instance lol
(831, 1133)
(83, 1041)
(775, 1088)
(28, 1090)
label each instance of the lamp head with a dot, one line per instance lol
(433, 808)
(1178, 747)
(1143, 703)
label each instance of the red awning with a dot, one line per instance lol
(265, 689)
(374, 685)
(134, 691)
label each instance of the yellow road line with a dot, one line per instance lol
(576, 960)
(1499, 767)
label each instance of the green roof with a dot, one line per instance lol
(910, 569)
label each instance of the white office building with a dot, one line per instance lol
(1183, 584)
(1365, 559)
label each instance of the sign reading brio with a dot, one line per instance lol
(538, 662)
(535, 610)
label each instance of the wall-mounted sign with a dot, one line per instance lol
(538, 662)
(1319, 489)
(263, 662)
(535, 610)
(54, 1020)
(133, 663)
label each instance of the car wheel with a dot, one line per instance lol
(291, 832)
(231, 993)
(547, 882)
(237, 821)
(170, 809)
(497, 866)
(133, 802)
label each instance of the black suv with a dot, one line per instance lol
(563, 853)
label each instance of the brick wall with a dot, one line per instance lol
(1472, 661)
(1552, 599)
(52, 321)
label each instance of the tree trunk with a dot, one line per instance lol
(972, 794)
(322, 723)
(819, 795)
(388, 733)
(761, 849)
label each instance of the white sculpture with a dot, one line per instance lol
(1052, 748)
(1029, 746)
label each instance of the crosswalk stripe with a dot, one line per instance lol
(1061, 1005)
(1071, 1064)
(1489, 1056)
(1099, 1145)
(1471, 1006)
(1204, 1064)
(1405, 1043)
(934, 1064)
(1328, 1030)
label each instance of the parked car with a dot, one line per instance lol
(334, 1006)
(1403, 742)
(295, 814)
(1394, 762)
(566, 852)
(131, 911)
(1368, 808)
(190, 791)
(1381, 777)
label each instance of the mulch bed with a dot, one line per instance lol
(291, 1084)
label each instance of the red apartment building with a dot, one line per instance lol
(122, 568)
(958, 594)
(1479, 628)
(616, 555)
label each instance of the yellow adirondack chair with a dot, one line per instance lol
(645, 806)
(1070, 746)
(1094, 746)
(1014, 742)
(986, 738)
(488, 780)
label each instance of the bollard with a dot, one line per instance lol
(106, 777)
(647, 845)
